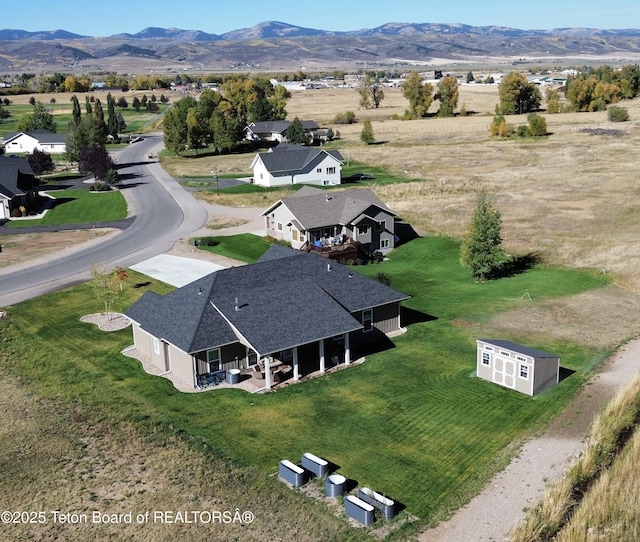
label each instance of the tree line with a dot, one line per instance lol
(218, 118)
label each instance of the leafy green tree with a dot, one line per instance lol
(295, 133)
(40, 119)
(366, 135)
(279, 102)
(419, 94)
(553, 101)
(481, 250)
(225, 131)
(175, 125)
(447, 93)
(196, 130)
(537, 125)
(371, 93)
(105, 287)
(517, 95)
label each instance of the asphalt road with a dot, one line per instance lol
(162, 212)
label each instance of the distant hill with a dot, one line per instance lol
(278, 45)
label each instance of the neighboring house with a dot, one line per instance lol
(27, 142)
(274, 131)
(517, 367)
(318, 218)
(294, 164)
(18, 185)
(289, 307)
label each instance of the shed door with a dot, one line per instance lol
(504, 372)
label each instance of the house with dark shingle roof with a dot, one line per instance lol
(294, 164)
(289, 308)
(274, 131)
(27, 142)
(319, 218)
(18, 184)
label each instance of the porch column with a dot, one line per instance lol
(322, 366)
(267, 373)
(296, 371)
(195, 372)
(347, 350)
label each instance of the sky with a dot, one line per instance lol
(91, 18)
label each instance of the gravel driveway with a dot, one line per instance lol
(501, 504)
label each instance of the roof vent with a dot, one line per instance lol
(327, 198)
(329, 268)
(350, 274)
(200, 290)
(237, 307)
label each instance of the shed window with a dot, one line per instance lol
(508, 354)
(486, 358)
(489, 348)
(520, 358)
(524, 371)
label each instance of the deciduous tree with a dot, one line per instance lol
(40, 119)
(371, 93)
(517, 95)
(419, 94)
(366, 135)
(447, 94)
(40, 162)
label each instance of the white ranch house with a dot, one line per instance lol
(293, 164)
(27, 142)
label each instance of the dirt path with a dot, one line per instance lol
(502, 503)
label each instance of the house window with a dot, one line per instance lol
(280, 226)
(520, 358)
(524, 371)
(302, 239)
(486, 358)
(252, 358)
(363, 229)
(213, 360)
(156, 345)
(331, 170)
(325, 183)
(384, 243)
(294, 235)
(505, 353)
(380, 226)
(262, 175)
(489, 348)
(367, 320)
(319, 170)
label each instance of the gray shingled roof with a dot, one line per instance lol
(16, 176)
(295, 159)
(42, 135)
(286, 299)
(315, 208)
(519, 348)
(278, 126)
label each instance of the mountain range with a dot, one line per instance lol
(274, 44)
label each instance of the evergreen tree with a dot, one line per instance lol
(366, 136)
(295, 133)
(87, 106)
(136, 103)
(112, 123)
(77, 113)
(481, 249)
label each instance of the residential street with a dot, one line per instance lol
(162, 210)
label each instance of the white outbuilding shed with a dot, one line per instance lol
(517, 367)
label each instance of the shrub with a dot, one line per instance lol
(16, 213)
(523, 131)
(537, 125)
(348, 117)
(499, 127)
(617, 114)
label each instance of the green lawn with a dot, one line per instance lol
(412, 421)
(243, 247)
(79, 206)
